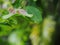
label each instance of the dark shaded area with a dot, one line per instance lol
(57, 33)
(52, 8)
(28, 42)
(3, 40)
(38, 3)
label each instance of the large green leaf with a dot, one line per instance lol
(37, 14)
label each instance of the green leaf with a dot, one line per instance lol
(5, 12)
(17, 3)
(37, 14)
(5, 30)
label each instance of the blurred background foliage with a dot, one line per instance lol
(29, 22)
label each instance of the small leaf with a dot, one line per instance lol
(37, 14)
